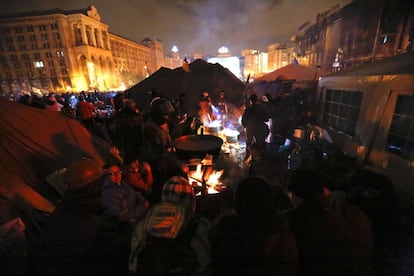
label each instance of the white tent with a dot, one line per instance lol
(370, 112)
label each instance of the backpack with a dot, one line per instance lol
(162, 256)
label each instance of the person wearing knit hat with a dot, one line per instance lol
(178, 190)
(170, 219)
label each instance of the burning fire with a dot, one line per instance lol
(211, 179)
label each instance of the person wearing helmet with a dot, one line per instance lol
(72, 241)
(157, 146)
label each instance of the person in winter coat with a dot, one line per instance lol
(171, 218)
(120, 200)
(74, 240)
(254, 239)
(333, 238)
(254, 120)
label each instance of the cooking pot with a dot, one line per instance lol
(212, 130)
(197, 146)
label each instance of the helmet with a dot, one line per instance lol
(81, 173)
(162, 107)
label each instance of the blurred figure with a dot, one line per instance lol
(205, 111)
(70, 238)
(222, 108)
(138, 174)
(255, 240)
(333, 238)
(85, 111)
(52, 104)
(254, 121)
(129, 125)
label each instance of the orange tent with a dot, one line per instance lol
(291, 72)
(36, 142)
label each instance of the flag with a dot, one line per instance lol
(186, 66)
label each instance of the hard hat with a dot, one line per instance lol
(162, 107)
(81, 173)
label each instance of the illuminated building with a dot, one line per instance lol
(70, 51)
(225, 59)
(279, 55)
(255, 63)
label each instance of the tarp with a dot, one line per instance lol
(291, 72)
(203, 76)
(36, 142)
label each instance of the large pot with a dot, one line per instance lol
(197, 146)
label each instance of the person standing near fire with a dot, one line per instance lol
(205, 111)
(222, 108)
(254, 121)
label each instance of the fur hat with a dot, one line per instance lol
(178, 190)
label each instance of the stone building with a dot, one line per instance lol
(70, 51)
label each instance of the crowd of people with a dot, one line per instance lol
(110, 216)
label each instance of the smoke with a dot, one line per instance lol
(234, 24)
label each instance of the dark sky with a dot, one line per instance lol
(195, 26)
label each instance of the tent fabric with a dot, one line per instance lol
(202, 76)
(36, 142)
(290, 72)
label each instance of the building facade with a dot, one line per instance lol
(359, 32)
(70, 51)
(279, 55)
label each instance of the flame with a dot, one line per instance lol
(212, 180)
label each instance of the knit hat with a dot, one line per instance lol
(178, 190)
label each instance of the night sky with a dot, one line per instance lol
(195, 26)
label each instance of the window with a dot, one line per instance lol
(20, 38)
(19, 29)
(59, 53)
(56, 36)
(42, 27)
(30, 28)
(43, 36)
(32, 38)
(25, 56)
(46, 45)
(48, 54)
(54, 26)
(38, 64)
(401, 134)
(37, 56)
(342, 109)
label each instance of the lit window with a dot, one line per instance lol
(342, 109)
(60, 53)
(401, 134)
(38, 64)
